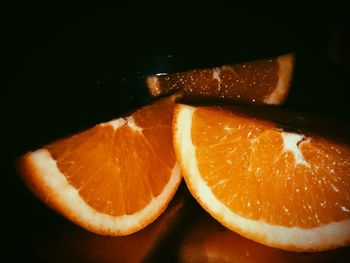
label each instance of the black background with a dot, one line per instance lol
(68, 67)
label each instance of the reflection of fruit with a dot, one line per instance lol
(68, 243)
(207, 241)
(265, 81)
(281, 187)
(115, 178)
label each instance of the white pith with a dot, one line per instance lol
(286, 64)
(153, 85)
(129, 121)
(290, 144)
(294, 238)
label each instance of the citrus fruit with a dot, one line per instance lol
(276, 177)
(265, 81)
(114, 178)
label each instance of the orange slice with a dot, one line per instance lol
(283, 187)
(265, 81)
(114, 178)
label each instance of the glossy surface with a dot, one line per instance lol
(208, 241)
(248, 82)
(264, 173)
(71, 67)
(109, 163)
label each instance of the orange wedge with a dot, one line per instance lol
(113, 179)
(283, 187)
(265, 81)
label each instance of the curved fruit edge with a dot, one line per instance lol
(286, 70)
(40, 173)
(293, 239)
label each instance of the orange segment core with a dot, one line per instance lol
(246, 165)
(119, 171)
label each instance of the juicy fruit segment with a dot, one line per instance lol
(281, 188)
(265, 81)
(261, 156)
(124, 150)
(114, 178)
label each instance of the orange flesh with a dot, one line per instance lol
(109, 165)
(247, 82)
(244, 163)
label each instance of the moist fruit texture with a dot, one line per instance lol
(265, 81)
(282, 181)
(114, 178)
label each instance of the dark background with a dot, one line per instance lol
(68, 67)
